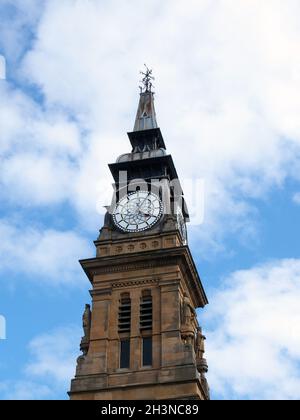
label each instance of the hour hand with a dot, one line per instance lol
(144, 214)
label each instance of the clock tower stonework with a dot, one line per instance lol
(141, 336)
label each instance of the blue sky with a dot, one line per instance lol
(70, 96)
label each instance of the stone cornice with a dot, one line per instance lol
(150, 259)
(100, 292)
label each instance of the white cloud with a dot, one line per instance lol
(47, 255)
(26, 126)
(53, 355)
(296, 198)
(50, 367)
(230, 99)
(18, 26)
(38, 151)
(2, 327)
(24, 390)
(253, 338)
(30, 179)
(227, 83)
(2, 67)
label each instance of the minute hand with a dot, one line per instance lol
(141, 204)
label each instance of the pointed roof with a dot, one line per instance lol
(145, 117)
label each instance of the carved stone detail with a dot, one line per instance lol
(203, 369)
(188, 316)
(188, 313)
(134, 283)
(167, 241)
(200, 344)
(86, 325)
(201, 361)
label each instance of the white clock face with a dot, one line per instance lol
(138, 211)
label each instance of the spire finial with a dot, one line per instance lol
(147, 80)
(145, 117)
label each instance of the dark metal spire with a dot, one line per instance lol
(146, 117)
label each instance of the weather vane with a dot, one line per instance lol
(147, 80)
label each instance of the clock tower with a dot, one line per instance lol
(141, 336)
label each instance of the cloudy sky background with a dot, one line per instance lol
(227, 100)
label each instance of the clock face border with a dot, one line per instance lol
(142, 225)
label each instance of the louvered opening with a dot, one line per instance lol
(125, 313)
(146, 312)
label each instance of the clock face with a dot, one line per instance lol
(138, 211)
(182, 226)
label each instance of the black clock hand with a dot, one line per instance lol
(141, 204)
